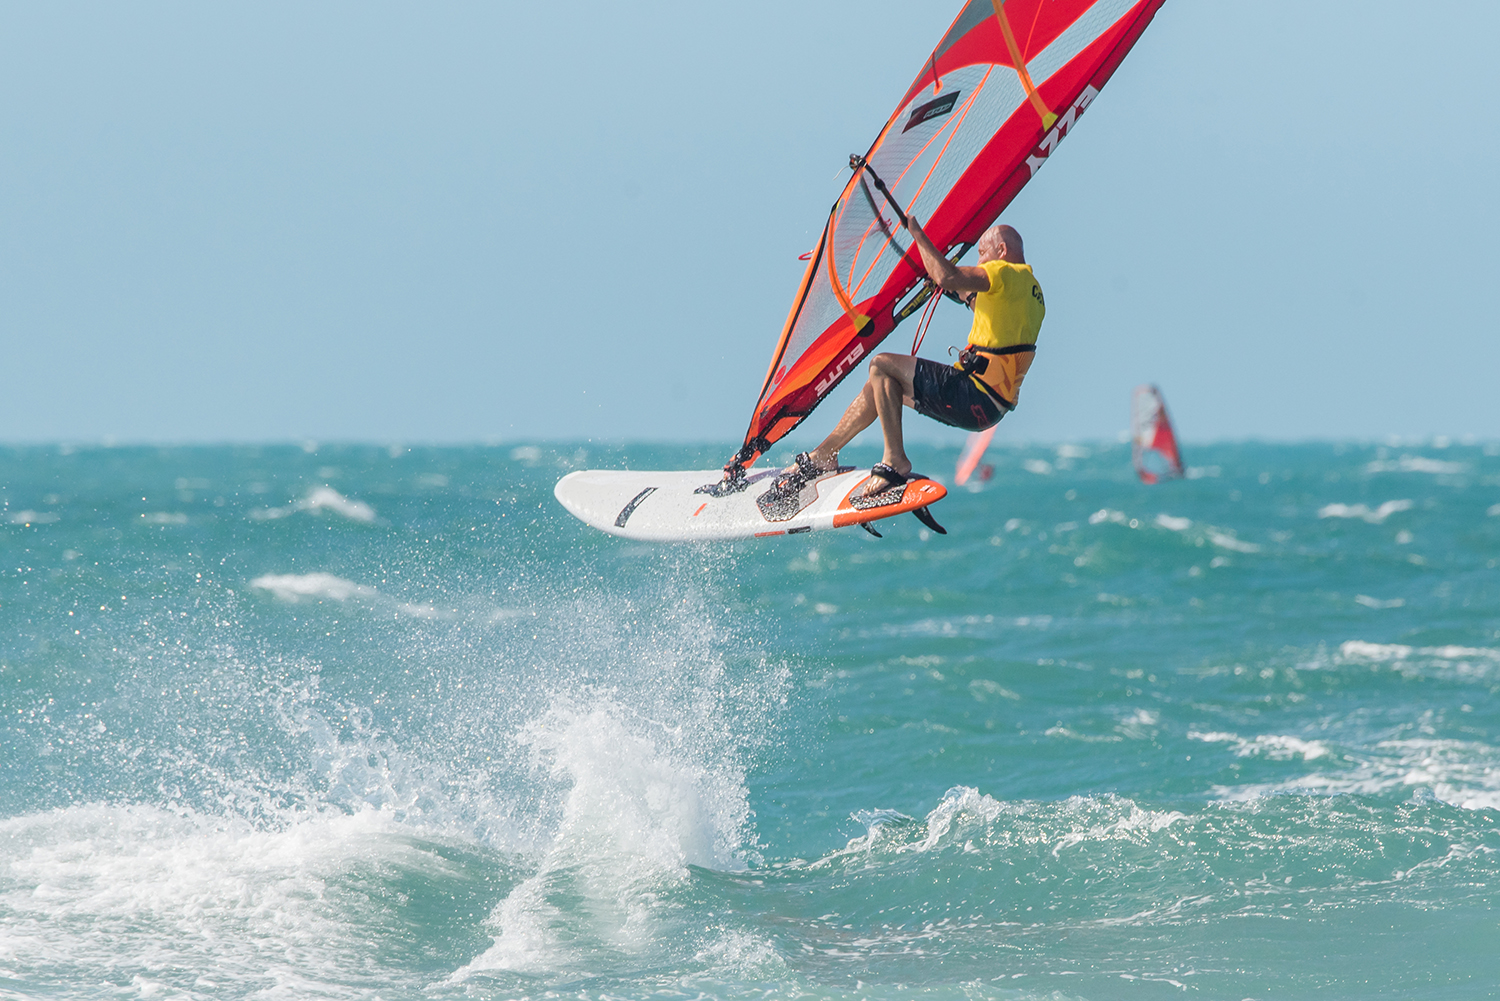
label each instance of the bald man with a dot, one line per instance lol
(973, 394)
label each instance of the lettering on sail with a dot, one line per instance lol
(1051, 139)
(837, 372)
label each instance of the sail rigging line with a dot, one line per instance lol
(928, 290)
(1019, 62)
(925, 321)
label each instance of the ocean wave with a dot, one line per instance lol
(1275, 747)
(1464, 774)
(966, 819)
(1416, 464)
(325, 586)
(637, 812)
(30, 517)
(1363, 512)
(318, 500)
(1462, 660)
(179, 903)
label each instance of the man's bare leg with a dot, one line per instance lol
(888, 387)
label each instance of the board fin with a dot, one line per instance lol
(926, 518)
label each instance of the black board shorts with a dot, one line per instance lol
(951, 396)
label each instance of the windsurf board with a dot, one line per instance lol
(671, 506)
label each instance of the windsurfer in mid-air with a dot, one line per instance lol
(973, 394)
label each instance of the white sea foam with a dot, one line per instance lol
(29, 517)
(1107, 514)
(1131, 827)
(1276, 747)
(325, 586)
(1363, 512)
(149, 893)
(1039, 466)
(529, 454)
(1227, 540)
(1416, 464)
(1465, 774)
(1387, 652)
(1172, 524)
(318, 500)
(637, 812)
(1369, 602)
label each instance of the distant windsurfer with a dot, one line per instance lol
(975, 393)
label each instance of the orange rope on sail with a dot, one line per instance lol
(1020, 64)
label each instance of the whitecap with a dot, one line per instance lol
(326, 586)
(637, 812)
(1363, 512)
(318, 500)
(1274, 747)
(1385, 652)
(1228, 541)
(29, 517)
(1369, 602)
(1416, 464)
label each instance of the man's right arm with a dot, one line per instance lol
(942, 271)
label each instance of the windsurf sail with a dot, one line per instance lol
(1003, 88)
(973, 451)
(1153, 442)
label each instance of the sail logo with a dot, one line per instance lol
(838, 371)
(932, 109)
(1051, 139)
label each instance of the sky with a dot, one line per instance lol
(469, 222)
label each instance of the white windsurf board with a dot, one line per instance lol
(667, 506)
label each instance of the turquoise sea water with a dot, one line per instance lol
(365, 722)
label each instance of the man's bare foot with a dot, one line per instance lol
(809, 466)
(801, 472)
(883, 477)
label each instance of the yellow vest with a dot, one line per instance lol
(1010, 313)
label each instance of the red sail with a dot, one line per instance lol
(1153, 443)
(1003, 88)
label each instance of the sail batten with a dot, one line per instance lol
(1003, 87)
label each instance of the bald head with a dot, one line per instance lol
(1001, 243)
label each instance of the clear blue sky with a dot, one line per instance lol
(462, 222)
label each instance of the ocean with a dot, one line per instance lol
(385, 722)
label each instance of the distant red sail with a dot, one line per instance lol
(1003, 88)
(1153, 442)
(968, 459)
